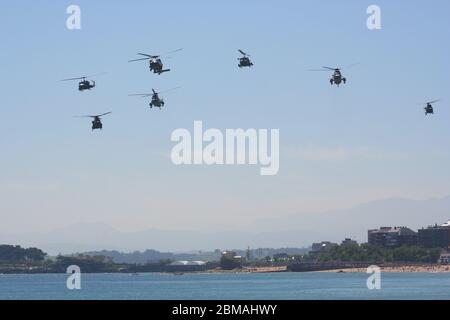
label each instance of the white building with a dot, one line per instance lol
(188, 263)
(444, 259)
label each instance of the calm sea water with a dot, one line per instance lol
(290, 286)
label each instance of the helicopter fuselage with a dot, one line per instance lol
(337, 78)
(97, 124)
(156, 66)
(429, 109)
(86, 85)
(157, 102)
(245, 62)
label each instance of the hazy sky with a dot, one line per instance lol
(339, 146)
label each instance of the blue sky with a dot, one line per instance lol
(339, 146)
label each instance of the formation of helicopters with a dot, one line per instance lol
(156, 66)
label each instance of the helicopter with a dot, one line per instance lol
(156, 100)
(429, 107)
(155, 62)
(337, 77)
(244, 61)
(97, 122)
(84, 84)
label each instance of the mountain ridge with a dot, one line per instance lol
(295, 230)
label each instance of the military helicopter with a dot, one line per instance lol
(429, 107)
(337, 77)
(155, 62)
(85, 84)
(97, 122)
(244, 61)
(156, 100)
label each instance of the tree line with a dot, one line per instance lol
(17, 254)
(370, 253)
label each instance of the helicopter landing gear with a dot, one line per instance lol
(344, 80)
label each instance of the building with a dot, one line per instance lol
(444, 259)
(388, 237)
(188, 263)
(435, 236)
(349, 242)
(187, 266)
(230, 254)
(230, 260)
(323, 246)
(281, 257)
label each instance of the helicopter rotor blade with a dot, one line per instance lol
(85, 77)
(169, 90)
(351, 65)
(91, 116)
(138, 59)
(140, 95)
(244, 53)
(84, 117)
(151, 94)
(73, 79)
(174, 51)
(427, 103)
(329, 68)
(97, 75)
(166, 55)
(148, 55)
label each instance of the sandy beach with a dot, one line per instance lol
(400, 269)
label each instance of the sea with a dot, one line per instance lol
(268, 286)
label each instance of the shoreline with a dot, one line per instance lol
(278, 269)
(398, 269)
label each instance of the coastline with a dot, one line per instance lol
(250, 270)
(424, 268)
(387, 269)
(398, 269)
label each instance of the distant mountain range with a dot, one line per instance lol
(294, 231)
